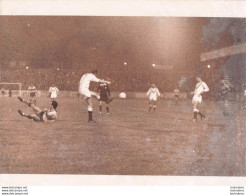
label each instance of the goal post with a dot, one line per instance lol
(10, 89)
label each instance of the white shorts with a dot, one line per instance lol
(85, 92)
(53, 95)
(152, 99)
(197, 99)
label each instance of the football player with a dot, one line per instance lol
(153, 94)
(104, 93)
(176, 95)
(32, 92)
(84, 85)
(224, 94)
(53, 90)
(45, 115)
(201, 87)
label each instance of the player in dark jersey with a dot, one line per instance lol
(224, 95)
(104, 92)
(32, 91)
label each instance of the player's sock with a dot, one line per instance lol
(154, 107)
(195, 115)
(202, 115)
(28, 116)
(149, 108)
(21, 113)
(100, 108)
(107, 108)
(90, 115)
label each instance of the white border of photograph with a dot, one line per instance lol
(172, 8)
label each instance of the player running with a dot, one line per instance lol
(53, 90)
(201, 87)
(84, 85)
(104, 92)
(45, 115)
(32, 92)
(153, 94)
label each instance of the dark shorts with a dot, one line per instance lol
(104, 98)
(40, 115)
(176, 95)
(32, 94)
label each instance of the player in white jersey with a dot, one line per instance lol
(153, 94)
(53, 90)
(45, 115)
(84, 90)
(176, 95)
(201, 87)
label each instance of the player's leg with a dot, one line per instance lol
(94, 94)
(150, 105)
(176, 99)
(201, 115)
(89, 108)
(195, 110)
(100, 106)
(36, 109)
(31, 116)
(33, 99)
(87, 96)
(107, 108)
(25, 101)
(225, 110)
(154, 105)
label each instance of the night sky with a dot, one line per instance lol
(75, 42)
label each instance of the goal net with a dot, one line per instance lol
(10, 89)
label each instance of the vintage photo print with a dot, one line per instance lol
(123, 95)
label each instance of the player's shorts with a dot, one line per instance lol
(106, 99)
(103, 97)
(32, 94)
(197, 99)
(85, 92)
(176, 95)
(53, 95)
(40, 116)
(153, 99)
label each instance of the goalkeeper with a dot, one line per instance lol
(45, 115)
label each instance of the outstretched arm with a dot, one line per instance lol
(205, 88)
(104, 81)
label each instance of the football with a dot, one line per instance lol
(122, 95)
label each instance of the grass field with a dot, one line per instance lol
(129, 141)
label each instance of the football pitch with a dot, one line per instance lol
(128, 141)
